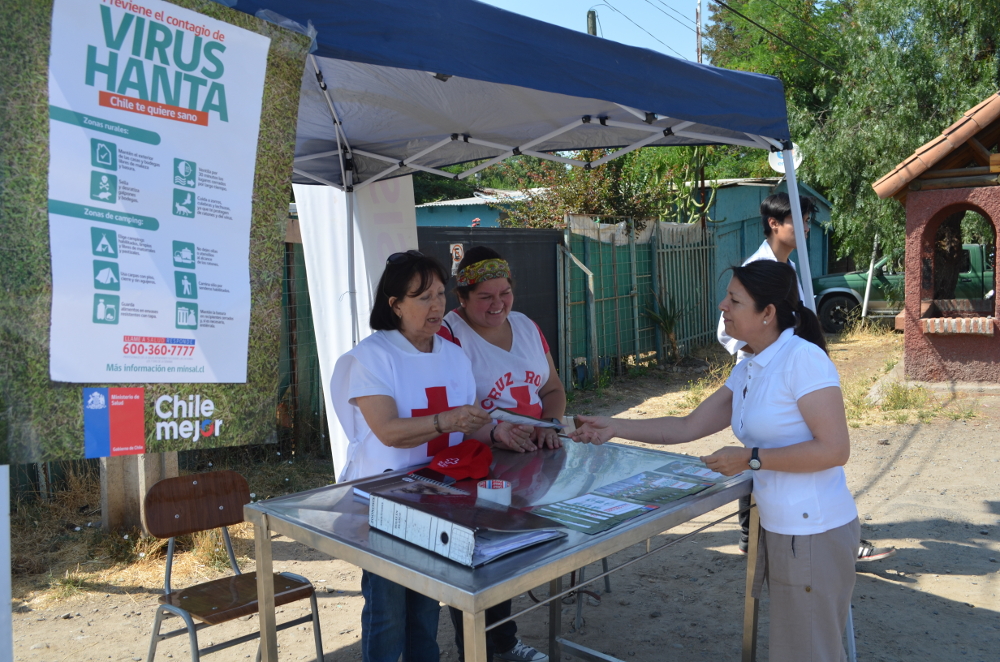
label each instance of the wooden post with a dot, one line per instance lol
(751, 604)
(125, 479)
(6, 623)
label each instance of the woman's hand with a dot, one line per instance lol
(466, 419)
(593, 429)
(729, 460)
(546, 437)
(515, 438)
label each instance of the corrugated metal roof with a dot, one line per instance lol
(484, 197)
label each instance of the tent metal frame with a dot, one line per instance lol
(649, 126)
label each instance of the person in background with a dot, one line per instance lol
(513, 370)
(778, 244)
(401, 395)
(785, 405)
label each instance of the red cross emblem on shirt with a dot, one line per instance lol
(437, 402)
(522, 396)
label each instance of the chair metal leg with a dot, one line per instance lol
(607, 578)
(578, 623)
(192, 637)
(316, 633)
(155, 639)
(192, 631)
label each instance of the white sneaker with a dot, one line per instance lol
(521, 652)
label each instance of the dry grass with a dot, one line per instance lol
(863, 354)
(705, 386)
(867, 351)
(58, 549)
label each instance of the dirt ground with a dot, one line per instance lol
(924, 471)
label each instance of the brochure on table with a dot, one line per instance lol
(154, 115)
(612, 504)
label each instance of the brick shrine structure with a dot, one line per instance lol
(948, 340)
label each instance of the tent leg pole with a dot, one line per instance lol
(351, 280)
(802, 252)
(871, 272)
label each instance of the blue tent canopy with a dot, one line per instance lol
(421, 85)
(398, 86)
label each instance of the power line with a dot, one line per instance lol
(805, 23)
(686, 18)
(613, 8)
(669, 16)
(782, 40)
(828, 39)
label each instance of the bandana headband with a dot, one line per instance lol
(482, 271)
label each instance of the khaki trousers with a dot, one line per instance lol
(810, 580)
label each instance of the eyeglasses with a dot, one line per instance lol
(400, 258)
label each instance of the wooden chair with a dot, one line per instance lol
(201, 502)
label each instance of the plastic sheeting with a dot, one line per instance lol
(671, 234)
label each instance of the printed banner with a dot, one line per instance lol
(154, 114)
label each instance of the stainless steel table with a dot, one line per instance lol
(333, 521)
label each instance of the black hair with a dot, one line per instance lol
(395, 282)
(774, 283)
(779, 206)
(472, 256)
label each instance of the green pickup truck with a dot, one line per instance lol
(839, 296)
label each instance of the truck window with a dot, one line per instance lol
(965, 263)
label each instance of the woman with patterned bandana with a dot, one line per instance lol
(513, 370)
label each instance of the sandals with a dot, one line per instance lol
(867, 551)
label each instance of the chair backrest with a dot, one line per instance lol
(186, 504)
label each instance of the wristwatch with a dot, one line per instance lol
(754, 460)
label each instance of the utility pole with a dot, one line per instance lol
(592, 21)
(697, 30)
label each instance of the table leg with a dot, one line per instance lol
(475, 636)
(751, 604)
(265, 587)
(555, 620)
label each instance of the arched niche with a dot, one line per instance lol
(933, 287)
(955, 338)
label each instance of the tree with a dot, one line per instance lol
(905, 70)
(428, 187)
(655, 182)
(914, 67)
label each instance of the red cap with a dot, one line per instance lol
(469, 459)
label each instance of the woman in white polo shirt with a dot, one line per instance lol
(785, 405)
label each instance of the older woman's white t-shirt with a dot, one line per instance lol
(766, 389)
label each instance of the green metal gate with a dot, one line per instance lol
(610, 275)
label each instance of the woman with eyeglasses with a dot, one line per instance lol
(401, 395)
(785, 405)
(514, 370)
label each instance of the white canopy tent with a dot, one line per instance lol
(396, 87)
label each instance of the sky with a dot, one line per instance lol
(665, 26)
